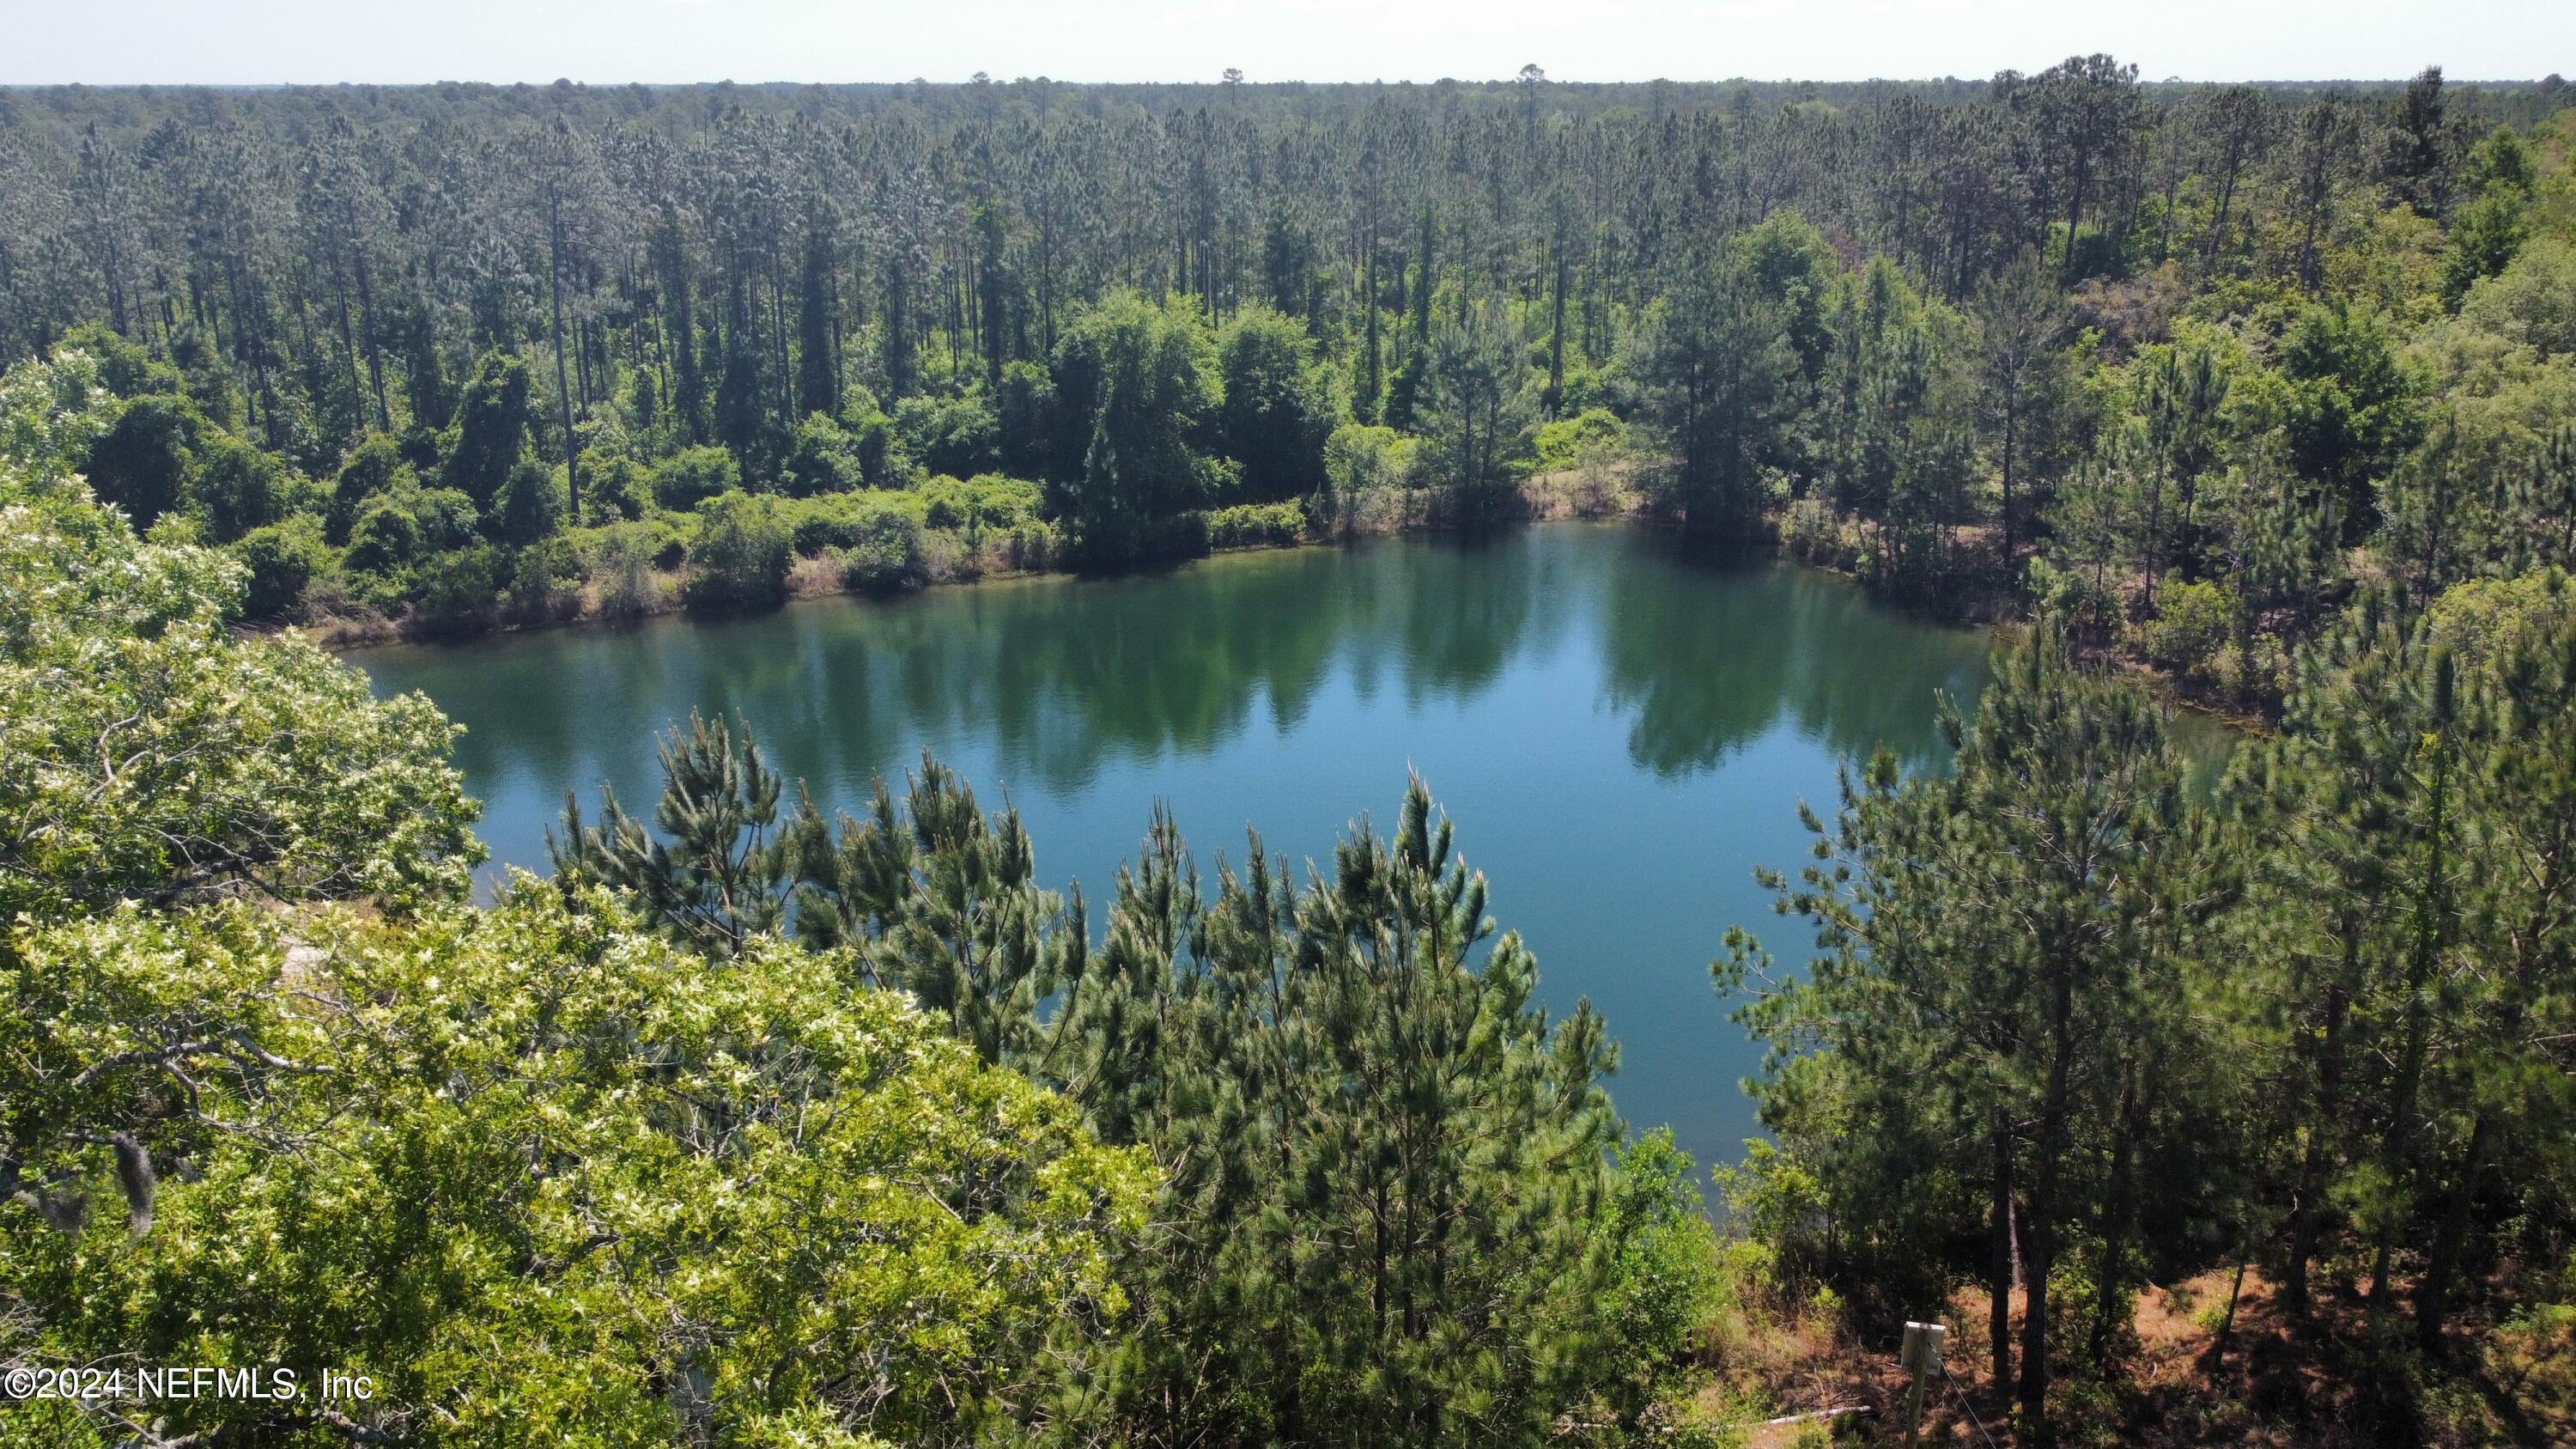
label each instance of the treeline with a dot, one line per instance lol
(2187, 364)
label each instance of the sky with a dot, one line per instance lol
(262, 42)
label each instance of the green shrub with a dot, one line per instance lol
(1571, 442)
(881, 458)
(454, 592)
(408, 524)
(1030, 546)
(1358, 457)
(988, 500)
(238, 487)
(2192, 623)
(532, 503)
(2485, 619)
(1253, 524)
(2087, 610)
(543, 578)
(692, 476)
(621, 559)
(743, 549)
(888, 559)
(952, 435)
(821, 458)
(141, 463)
(375, 468)
(283, 559)
(617, 487)
(842, 520)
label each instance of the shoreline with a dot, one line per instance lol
(1546, 499)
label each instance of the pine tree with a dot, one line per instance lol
(719, 875)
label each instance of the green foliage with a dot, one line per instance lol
(1668, 1279)
(2193, 622)
(985, 501)
(2484, 621)
(1256, 524)
(408, 524)
(741, 554)
(2489, 231)
(375, 468)
(953, 435)
(1277, 410)
(142, 463)
(1156, 389)
(532, 503)
(494, 421)
(1477, 410)
(691, 476)
(654, 1195)
(839, 520)
(1360, 458)
(1571, 442)
(1719, 369)
(821, 458)
(156, 758)
(1389, 1158)
(282, 560)
(236, 488)
(2002, 957)
(2528, 300)
(889, 556)
(454, 591)
(615, 487)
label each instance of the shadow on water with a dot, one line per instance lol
(1706, 655)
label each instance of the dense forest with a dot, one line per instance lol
(750, 1126)
(2185, 364)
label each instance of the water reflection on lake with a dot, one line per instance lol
(1621, 733)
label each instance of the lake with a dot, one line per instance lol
(1621, 734)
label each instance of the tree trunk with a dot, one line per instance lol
(2043, 1213)
(2001, 1274)
(2433, 1292)
(563, 392)
(2312, 1158)
(2115, 1238)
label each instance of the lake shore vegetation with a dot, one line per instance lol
(2183, 365)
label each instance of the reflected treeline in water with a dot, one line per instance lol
(1055, 676)
(1627, 730)
(1705, 657)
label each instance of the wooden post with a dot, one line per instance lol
(1922, 1354)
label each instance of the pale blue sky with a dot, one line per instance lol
(602, 41)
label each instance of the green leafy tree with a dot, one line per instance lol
(1719, 370)
(1477, 412)
(494, 419)
(156, 758)
(2003, 946)
(532, 504)
(1156, 389)
(662, 1197)
(142, 463)
(742, 551)
(1277, 410)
